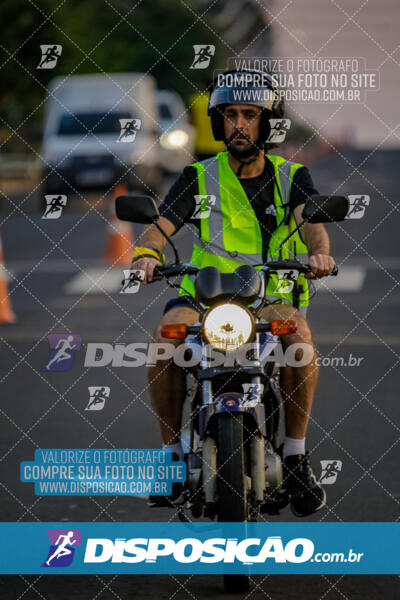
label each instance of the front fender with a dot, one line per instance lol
(231, 402)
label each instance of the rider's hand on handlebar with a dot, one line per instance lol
(147, 265)
(321, 266)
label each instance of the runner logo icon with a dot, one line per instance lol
(357, 206)
(279, 129)
(54, 206)
(50, 55)
(203, 53)
(129, 127)
(97, 397)
(62, 547)
(131, 281)
(286, 281)
(204, 203)
(329, 471)
(62, 348)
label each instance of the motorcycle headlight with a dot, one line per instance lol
(228, 326)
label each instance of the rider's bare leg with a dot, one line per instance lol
(167, 381)
(297, 383)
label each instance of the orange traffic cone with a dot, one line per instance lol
(120, 238)
(6, 312)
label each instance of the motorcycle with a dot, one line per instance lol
(234, 468)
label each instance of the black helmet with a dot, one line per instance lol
(244, 87)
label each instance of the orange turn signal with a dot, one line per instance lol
(283, 327)
(175, 331)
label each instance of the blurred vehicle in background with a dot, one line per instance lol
(82, 126)
(177, 135)
(205, 145)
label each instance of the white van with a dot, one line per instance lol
(100, 129)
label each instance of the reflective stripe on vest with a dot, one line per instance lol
(295, 247)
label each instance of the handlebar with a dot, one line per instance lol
(189, 269)
(295, 265)
(175, 270)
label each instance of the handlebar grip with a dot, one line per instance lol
(157, 271)
(167, 271)
(175, 270)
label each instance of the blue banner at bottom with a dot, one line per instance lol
(208, 548)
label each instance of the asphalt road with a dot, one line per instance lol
(59, 283)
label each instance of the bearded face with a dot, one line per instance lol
(241, 126)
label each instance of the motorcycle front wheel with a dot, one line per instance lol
(232, 483)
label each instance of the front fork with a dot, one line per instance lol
(238, 403)
(209, 459)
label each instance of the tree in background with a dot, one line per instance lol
(101, 35)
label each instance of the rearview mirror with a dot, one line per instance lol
(325, 209)
(137, 209)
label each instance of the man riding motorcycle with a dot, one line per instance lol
(258, 200)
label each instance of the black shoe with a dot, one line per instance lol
(306, 494)
(174, 499)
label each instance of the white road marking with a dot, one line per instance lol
(96, 281)
(349, 279)
(52, 265)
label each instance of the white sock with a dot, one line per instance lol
(293, 446)
(177, 448)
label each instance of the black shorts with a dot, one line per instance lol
(180, 301)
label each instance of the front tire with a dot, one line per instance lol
(232, 487)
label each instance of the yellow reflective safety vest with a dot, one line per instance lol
(229, 232)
